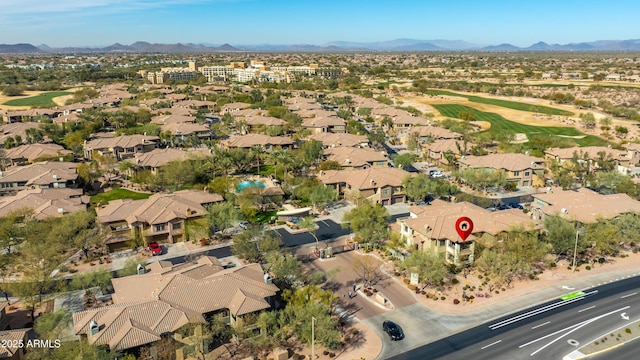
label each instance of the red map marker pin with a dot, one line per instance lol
(464, 227)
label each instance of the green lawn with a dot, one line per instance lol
(263, 217)
(115, 194)
(506, 103)
(500, 124)
(44, 99)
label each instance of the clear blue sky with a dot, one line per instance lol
(104, 22)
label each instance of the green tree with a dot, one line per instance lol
(561, 235)
(588, 120)
(483, 178)
(377, 137)
(404, 160)
(431, 268)
(413, 141)
(89, 279)
(130, 267)
(51, 325)
(253, 244)
(222, 216)
(285, 267)
(368, 222)
(310, 225)
(329, 165)
(321, 195)
(312, 151)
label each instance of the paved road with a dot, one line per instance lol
(547, 331)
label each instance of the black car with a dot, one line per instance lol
(515, 205)
(395, 332)
(503, 207)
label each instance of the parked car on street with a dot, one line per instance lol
(393, 330)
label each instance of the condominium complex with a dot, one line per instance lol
(239, 71)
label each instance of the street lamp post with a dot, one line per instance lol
(313, 337)
(575, 251)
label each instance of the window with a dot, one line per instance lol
(441, 243)
(385, 192)
(175, 226)
(526, 173)
(516, 173)
(162, 227)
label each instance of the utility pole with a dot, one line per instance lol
(575, 250)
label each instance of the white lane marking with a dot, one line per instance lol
(538, 311)
(585, 309)
(626, 296)
(541, 325)
(578, 328)
(493, 343)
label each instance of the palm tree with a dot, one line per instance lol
(258, 151)
(311, 226)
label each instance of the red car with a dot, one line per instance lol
(154, 248)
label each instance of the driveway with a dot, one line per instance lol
(361, 306)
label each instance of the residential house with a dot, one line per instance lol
(172, 118)
(431, 133)
(166, 297)
(29, 153)
(16, 129)
(433, 228)
(436, 150)
(48, 174)
(330, 140)
(45, 203)
(315, 113)
(268, 143)
(181, 131)
(381, 185)
(14, 344)
(325, 124)
(157, 158)
(28, 115)
(234, 107)
(160, 218)
(122, 147)
(356, 158)
(259, 123)
(583, 205)
(592, 154)
(4, 319)
(403, 124)
(524, 170)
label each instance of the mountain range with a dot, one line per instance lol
(334, 46)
